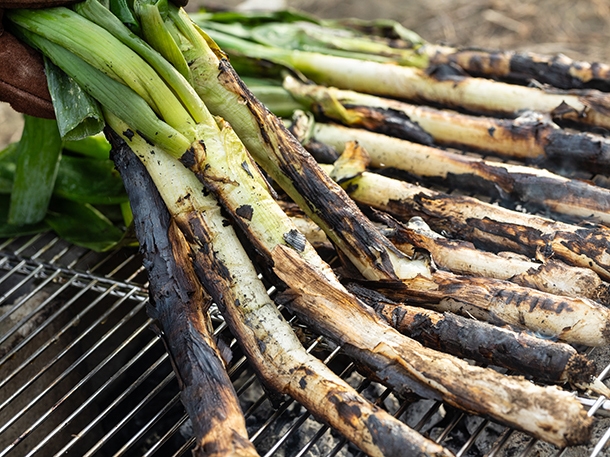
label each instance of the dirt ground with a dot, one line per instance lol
(578, 29)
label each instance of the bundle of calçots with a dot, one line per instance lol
(189, 136)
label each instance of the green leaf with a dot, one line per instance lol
(95, 147)
(254, 18)
(78, 115)
(89, 181)
(39, 155)
(121, 9)
(10, 230)
(83, 225)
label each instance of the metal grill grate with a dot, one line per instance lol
(81, 374)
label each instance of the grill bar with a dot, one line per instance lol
(60, 355)
(48, 281)
(98, 392)
(39, 328)
(182, 450)
(131, 414)
(470, 442)
(165, 438)
(601, 444)
(64, 374)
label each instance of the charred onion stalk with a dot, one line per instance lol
(443, 86)
(180, 306)
(461, 257)
(487, 226)
(524, 67)
(535, 187)
(275, 352)
(542, 359)
(268, 340)
(531, 136)
(570, 319)
(287, 162)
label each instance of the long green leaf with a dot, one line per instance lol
(120, 8)
(39, 155)
(83, 225)
(8, 163)
(89, 181)
(78, 115)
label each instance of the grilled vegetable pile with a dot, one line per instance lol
(426, 282)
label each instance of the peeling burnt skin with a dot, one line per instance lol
(389, 122)
(559, 71)
(321, 152)
(542, 359)
(179, 305)
(295, 239)
(446, 72)
(347, 222)
(188, 158)
(324, 199)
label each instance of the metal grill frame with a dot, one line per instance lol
(143, 415)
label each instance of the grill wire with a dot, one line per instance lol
(81, 374)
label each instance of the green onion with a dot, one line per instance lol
(114, 96)
(94, 11)
(103, 51)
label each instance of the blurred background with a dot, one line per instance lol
(579, 29)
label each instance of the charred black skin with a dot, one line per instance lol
(565, 151)
(178, 306)
(524, 67)
(323, 197)
(542, 359)
(387, 121)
